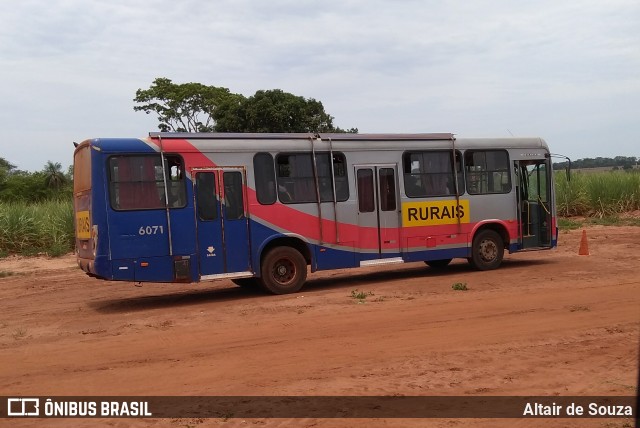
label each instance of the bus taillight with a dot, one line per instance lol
(94, 240)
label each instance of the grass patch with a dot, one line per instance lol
(632, 221)
(579, 308)
(5, 273)
(568, 224)
(459, 286)
(361, 296)
(19, 333)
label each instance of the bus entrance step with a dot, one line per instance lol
(378, 262)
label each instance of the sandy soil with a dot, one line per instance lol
(546, 323)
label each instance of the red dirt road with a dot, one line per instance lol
(545, 323)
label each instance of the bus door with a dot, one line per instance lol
(222, 222)
(378, 214)
(534, 203)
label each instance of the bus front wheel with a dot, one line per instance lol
(284, 270)
(487, 250)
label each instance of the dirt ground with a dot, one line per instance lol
(545, 323)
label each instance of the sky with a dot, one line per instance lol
(566, 71)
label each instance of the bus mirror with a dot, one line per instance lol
(567, 168)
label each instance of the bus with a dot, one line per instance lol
(264, 209)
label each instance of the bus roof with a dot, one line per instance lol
(254, 142)
(299, 136)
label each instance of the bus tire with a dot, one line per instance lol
(247, 283)
(284, 270)
(438, 264)
(487, 250)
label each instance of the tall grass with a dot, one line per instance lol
(30, 229)
(597, 194)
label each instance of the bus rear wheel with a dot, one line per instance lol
(438, 264)
(487, 250)
(284, 270)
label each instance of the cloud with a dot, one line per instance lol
(564, 70)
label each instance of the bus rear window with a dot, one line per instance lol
(136, 182)
(82, 169)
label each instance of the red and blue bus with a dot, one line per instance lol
(264, 209)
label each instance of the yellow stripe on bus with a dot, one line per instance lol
(83, 226)
(435, 213)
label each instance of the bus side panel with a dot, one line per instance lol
(333, 258)
(502, 206)
(138, 234)
(439, 254)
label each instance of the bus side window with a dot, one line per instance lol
(295, 178)
(175, 181)
(265, 178)
(339, 175)
(431, 173)
(206, 196)
(365, 191)
(233, 200)
(487, 171)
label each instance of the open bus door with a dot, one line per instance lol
(222, 222)
(534, 203)
(378, 214)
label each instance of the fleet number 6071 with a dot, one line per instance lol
(150, 230)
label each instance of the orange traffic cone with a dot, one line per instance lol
(584, 245)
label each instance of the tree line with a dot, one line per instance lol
(618, 162)
(51, 182)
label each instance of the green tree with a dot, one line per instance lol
(279, 111)
(6, 168)
(53, 175)
(194, 107)
(187, 107)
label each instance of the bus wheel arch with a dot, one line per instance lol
(487, 248)
(283, 265)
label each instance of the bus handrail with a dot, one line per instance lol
(317, 185)
(335, 197)
(166, 195)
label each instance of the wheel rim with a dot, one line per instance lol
(488, 250)
(284, 271)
